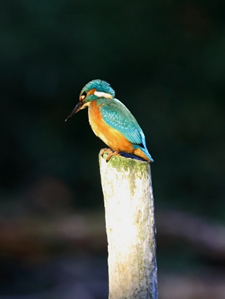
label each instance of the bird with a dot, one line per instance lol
(111, 120)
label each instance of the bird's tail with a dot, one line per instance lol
(143, 153)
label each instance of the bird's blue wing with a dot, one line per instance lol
(117, 116)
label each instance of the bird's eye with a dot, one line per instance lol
(83, 96)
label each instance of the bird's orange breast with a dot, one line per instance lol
(113, 138)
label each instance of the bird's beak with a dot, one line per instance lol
(77, 108)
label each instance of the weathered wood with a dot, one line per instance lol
(130, 227)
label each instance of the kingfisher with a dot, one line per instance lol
(111, 121)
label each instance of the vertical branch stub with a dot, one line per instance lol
(130, 227)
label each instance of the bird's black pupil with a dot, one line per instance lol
(84, 94)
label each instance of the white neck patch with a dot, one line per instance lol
(103, 94)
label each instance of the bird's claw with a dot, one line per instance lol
(112, 153)
(103, 150)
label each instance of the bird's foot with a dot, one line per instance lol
(110, 153)
(105, 150)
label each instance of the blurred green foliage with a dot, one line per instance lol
(166, 62)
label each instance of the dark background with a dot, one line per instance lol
(166, 62)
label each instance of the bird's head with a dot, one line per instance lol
(92, 91)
